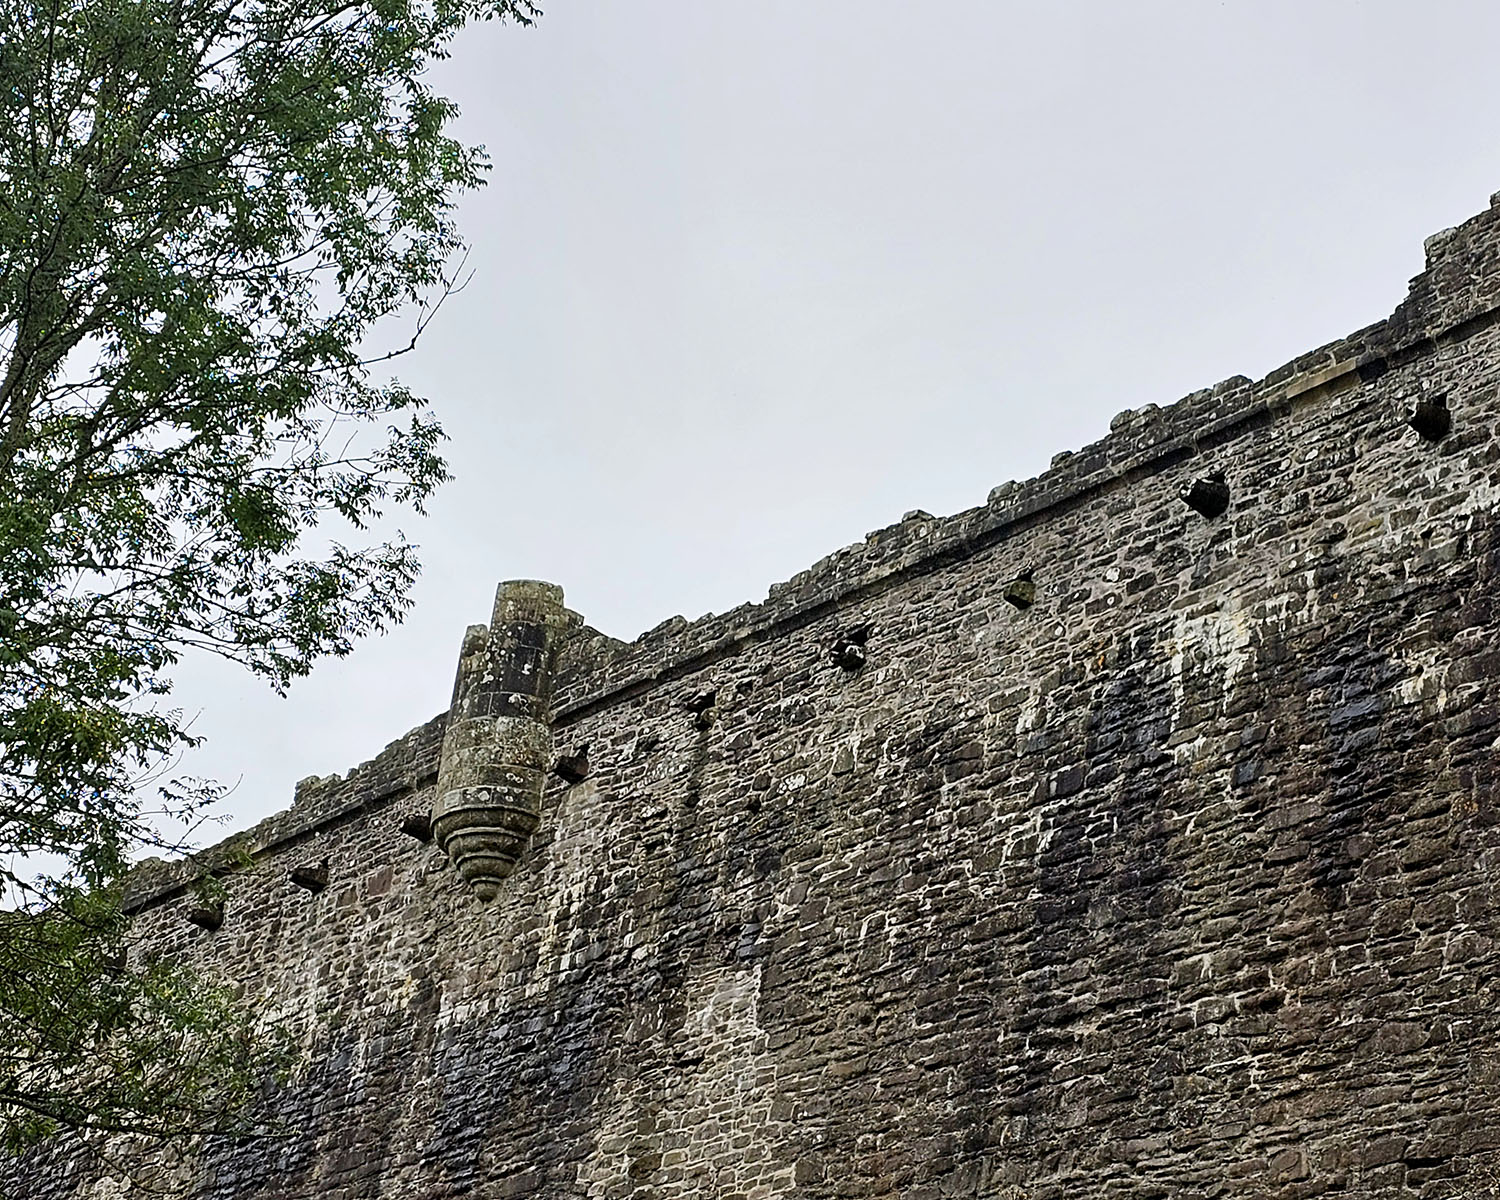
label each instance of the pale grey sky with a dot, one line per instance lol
(752, 280)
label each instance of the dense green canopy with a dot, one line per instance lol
(206, 208)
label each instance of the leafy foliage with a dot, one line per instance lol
(89, 1041)
(207, 210)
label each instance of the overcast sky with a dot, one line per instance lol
(751, 280)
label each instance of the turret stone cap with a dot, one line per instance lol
(522, 599)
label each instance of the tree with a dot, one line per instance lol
(208, 208)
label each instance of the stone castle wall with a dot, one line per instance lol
(1182, 881)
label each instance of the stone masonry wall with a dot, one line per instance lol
(1180, 882)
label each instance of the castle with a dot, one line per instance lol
(1134, 834)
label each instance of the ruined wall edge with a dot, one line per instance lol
(1454, 298)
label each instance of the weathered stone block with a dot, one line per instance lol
(1181, 882)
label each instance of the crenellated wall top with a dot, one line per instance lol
(1456, 295)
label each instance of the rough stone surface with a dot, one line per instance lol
(497, 743)
(1181, 881)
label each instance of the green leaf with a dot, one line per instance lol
(206, 210)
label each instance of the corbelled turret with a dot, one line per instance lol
(499, 740)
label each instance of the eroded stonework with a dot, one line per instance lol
(497, 740)
(1174, 875)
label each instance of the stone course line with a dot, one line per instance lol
(1113, 838)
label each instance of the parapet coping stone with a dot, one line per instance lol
(599, 672)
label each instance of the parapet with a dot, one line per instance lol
(1455, 296)
(1457, 293)
(1131, 833)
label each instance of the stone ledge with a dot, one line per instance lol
(405, 765)
(1457, 296)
